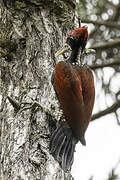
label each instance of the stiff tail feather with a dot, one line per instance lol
(62, 145)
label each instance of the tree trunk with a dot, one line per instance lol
(30, 33)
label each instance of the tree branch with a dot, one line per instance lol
(106, 45)
(111, 64)
(110, 109)
(109, 24)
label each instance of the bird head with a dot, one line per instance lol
(77, 39)
(80, 33)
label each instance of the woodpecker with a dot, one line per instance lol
(74, 86)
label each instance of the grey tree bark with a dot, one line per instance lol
(30, 33)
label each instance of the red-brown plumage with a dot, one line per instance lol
(74, 85)
(75, 89)
(80, 32)
(88, 90)
(69, 90)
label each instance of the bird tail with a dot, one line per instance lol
(62, 146)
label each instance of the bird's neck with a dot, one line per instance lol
(74, 56)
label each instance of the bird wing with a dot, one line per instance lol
(69, 91)
(87, 80)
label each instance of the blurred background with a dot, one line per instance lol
(100, 159)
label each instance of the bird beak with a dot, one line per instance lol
(64, 49)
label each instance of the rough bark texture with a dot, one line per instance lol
(30, 33)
